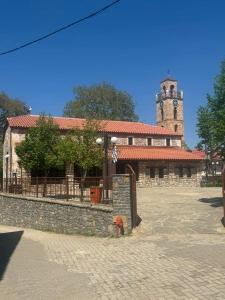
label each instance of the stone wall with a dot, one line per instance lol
(69, 217)
(121, 199)
(171, 176)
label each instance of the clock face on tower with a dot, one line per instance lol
(175, 102)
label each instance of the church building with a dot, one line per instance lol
(155, 152)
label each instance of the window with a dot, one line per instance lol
(171, 90)
(175, 113)
(175, 127)
(167, 142)
(130, 140)
(147, 171)
(164, 89)
(149, 141)
(181, 173)
(189, 172)
(152, 172)
(161, 172)
(162, 114)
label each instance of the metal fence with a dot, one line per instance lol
(90, 189)
(212, 181)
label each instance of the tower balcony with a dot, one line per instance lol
(169, 94)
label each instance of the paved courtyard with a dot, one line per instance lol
(178, 252)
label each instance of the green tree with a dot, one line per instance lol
(199, 146)
(211, 121)
(216, 105)
(204, 128)
(101, 101)
(38, 150)
(66, 151)
(79, 147)
(87, 153)
(10, 108)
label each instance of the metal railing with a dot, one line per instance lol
(69, 188)
(211, 181)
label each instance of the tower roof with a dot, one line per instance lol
(168, 78)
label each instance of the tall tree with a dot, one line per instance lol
(88, 153)
(204, 127)
(9, 108)
(211, 118)
(101, 101)
(66, 151)
(216, 104)
(38, 150)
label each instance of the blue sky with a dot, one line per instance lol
(132, 46)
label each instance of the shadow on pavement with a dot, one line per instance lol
(8, 243)
(214, 202)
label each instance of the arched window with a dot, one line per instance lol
(175, 127)
(175, 113)
(162, 114)
(171, 90)
(164, 89)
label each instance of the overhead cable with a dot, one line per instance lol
(60, 29)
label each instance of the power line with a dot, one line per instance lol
(60, 29)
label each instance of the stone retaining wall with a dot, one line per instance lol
(69, 217)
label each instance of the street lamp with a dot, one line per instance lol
(106, 143)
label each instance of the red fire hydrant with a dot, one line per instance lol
(119, 226)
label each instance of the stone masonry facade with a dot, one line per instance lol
(69, 217)
(173, 174)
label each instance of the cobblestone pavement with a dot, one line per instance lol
(178, 252)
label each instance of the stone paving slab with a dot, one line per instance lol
(178, 252)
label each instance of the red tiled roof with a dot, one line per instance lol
(108, 125)
(200, 153)
(154, 153)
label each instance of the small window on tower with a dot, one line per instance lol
(162, 114)
(164, 89)
(130, 140)
(175, 113)
(168, 142)
(175, 127)
(149, 140)
(171, 90)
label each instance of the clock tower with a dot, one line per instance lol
(169, 106)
